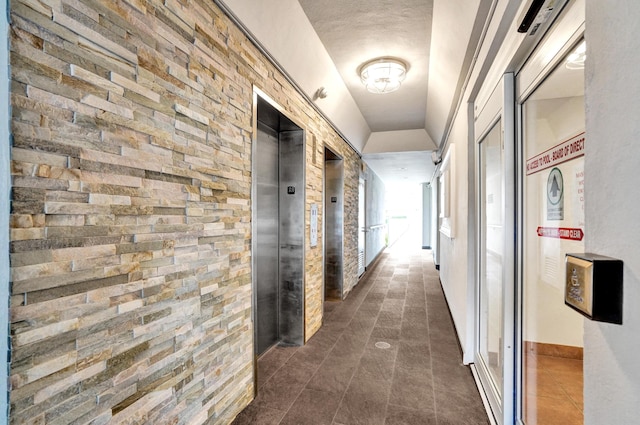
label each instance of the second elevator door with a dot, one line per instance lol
(267, 238)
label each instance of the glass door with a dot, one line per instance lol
(491, 288)
(495, 288)
(552, 163)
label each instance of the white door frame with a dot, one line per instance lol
(500, 107)
(558, 41)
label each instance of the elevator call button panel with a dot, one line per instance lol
(593, 286)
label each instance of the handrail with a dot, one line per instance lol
(375, 227)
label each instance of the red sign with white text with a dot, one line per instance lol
(565, 151)
(561, 233)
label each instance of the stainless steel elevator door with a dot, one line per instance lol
(267, 239)
(333, 226)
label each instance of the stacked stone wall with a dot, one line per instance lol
(131, 211)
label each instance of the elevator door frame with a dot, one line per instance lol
(260, 95)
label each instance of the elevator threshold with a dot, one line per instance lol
(274, 346)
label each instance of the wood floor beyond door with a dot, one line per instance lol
(553, 385)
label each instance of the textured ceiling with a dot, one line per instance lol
(401, 168)
(322, 43)
(356, 31)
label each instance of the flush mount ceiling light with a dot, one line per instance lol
(383, 75)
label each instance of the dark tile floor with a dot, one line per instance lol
(347, 375)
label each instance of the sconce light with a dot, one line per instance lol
(321, 93)
(383, 75)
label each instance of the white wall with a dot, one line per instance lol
(5, 184)
(426, 215)
(612, 204)
(401, 140)
(453, 251)
(285, 31)
(459, 282)
(445, 64)
(375, 215)
(435, 235)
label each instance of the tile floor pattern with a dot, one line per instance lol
(340, 377)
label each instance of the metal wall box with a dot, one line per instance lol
(593, 286)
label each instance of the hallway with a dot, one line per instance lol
(388, 354)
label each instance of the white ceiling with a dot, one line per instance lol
(401, 168)
(356, 31)
(322, 43)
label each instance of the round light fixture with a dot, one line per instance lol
(383, 75)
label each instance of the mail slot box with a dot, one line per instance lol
(593, 286)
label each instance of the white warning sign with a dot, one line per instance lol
(555, 195)
(565, 151)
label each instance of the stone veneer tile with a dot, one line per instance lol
(131, 211)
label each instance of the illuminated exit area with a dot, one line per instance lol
(404, 214)
(553, 225)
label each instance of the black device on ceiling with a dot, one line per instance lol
(531, 15)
